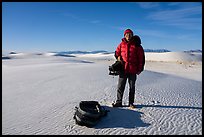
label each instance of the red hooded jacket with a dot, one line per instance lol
(132, 54)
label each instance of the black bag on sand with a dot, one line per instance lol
(88, 113)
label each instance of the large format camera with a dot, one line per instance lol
(116, 68)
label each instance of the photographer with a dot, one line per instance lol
(131, 55)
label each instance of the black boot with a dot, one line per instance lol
(117, 104)
(132, 106)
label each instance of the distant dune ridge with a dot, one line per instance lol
(150, 55)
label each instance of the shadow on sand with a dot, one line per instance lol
(121, 117)
(6, 57)
(127, 118)
(160, 106)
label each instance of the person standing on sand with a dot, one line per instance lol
(132, 57)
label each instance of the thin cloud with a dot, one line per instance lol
(186, 18)
(175, 14)
(148, 5)
(70, 15)
(186, 37)
(154, 33)
(95, 21)
(75, 17)
(162, 34)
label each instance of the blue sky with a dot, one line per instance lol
(89, 26)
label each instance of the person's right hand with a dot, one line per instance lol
(118, 59)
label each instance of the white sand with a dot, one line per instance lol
(39, 93)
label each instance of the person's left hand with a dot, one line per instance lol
(138, 73)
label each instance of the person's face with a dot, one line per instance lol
(128, 36)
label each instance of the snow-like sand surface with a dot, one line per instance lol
(40, 92)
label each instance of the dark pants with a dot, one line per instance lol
(121, 87)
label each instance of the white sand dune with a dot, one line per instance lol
(174, 56)
(40, 92)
